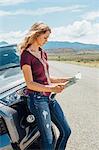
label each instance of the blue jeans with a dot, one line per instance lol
(46, 110)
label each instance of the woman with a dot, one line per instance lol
(40, 85)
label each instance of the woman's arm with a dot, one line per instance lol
(59, 80)
(37, 86)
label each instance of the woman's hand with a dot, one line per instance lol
(57, 88)
(60, 80)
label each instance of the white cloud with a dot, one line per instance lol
(80, 31)
(13, 2)
(13, 36)
(41, 11)
(5, 13)
(91, 15)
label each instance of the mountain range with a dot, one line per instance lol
(68, 45)
(75, 46)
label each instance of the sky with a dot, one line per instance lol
(70, 20)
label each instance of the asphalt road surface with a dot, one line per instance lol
(80, 103)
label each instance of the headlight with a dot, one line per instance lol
(12, 98)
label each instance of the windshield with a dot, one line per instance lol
(9, 57)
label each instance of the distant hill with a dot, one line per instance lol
(68, 45)
(3, 43)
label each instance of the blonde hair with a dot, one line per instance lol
(35, 31)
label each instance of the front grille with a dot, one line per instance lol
(3, 128)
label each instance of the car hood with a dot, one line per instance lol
(10, 79)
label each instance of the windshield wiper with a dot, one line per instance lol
(14, 66)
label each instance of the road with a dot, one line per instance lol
(80, 103)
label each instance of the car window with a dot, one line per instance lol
(8, 56)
